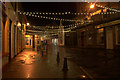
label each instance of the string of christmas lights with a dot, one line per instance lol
(65, 13)
(51, 18)
(65, 30)
(107, 8)
(54, 27)
(73, 27)
(33, 31)
(70, 28)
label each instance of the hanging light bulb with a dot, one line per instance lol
(65, 12)
(24, 13)
(37, 13)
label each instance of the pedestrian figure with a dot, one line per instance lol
(65, 66)
(58, 57)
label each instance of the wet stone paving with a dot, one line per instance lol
(82, 64)
(31, 64)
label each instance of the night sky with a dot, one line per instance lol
(49, 7)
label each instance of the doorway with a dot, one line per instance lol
(28, 41)
(82, 38)
(14, 40)
(10, 22)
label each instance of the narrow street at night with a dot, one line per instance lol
(31, 64)
(60, 40)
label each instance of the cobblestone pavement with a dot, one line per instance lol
(31, 64)
(82, 63)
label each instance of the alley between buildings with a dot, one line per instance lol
(82, 63)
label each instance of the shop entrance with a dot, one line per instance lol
(28, 41)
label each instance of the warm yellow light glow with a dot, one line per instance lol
(92, 6)
(84, 76)
(41, 38)
(27, 36)
(28, 24)
(19, 24)
(100, 30)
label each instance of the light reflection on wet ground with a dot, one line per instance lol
(28, 57)
(31, 64)
(95, 64)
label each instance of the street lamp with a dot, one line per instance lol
(28, 24)
(92, 6)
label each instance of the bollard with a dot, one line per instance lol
(58, 57)
(42, 52)
(46, 48)
(65, 66)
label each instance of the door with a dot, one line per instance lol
(82, 39)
